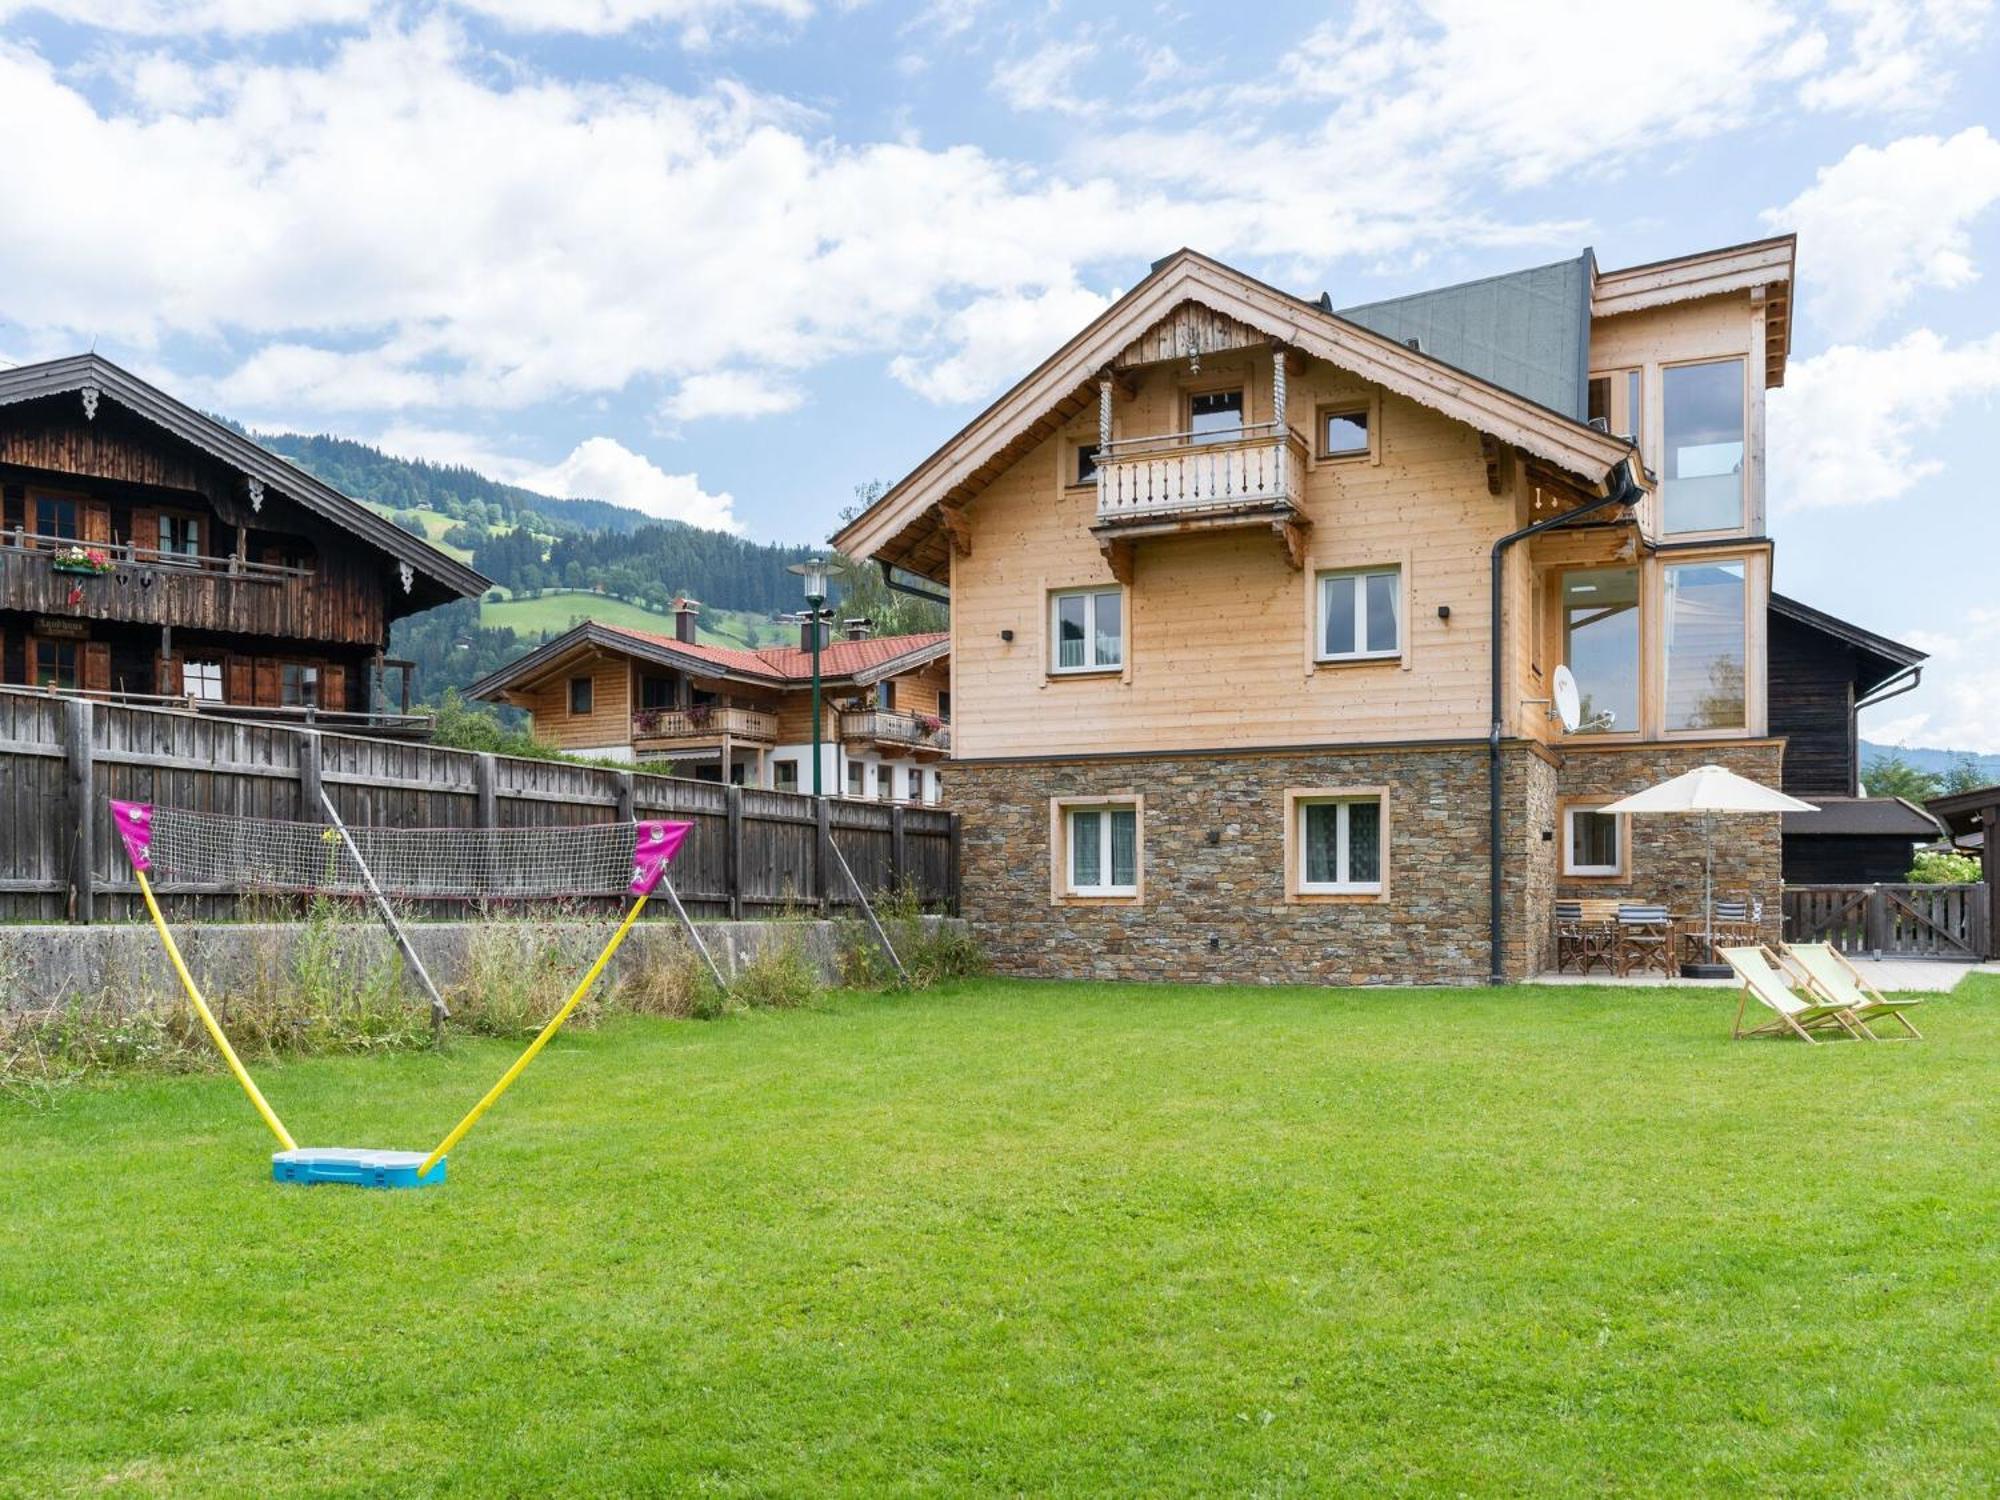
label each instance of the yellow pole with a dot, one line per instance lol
(208, 1019)
(541, 1040)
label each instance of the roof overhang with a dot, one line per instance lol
(1763, 268)
(591, 639)
(909, 661)
(1863, 817)
(1891, 657)
(1963, 813)
(78, 372)
(903, 527)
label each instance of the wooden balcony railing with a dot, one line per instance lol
(704, 724)
(921, 732)
(1183, 473)
(407, 726)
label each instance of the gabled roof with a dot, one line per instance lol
(1763, 268)
(1866, 817)
(1525, 331)
(59, 376)
(1883, 658)
(861, 663)
(895, 524)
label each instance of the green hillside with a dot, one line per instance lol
(551, 614)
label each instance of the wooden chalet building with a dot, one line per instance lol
(1257, 606)
(150, 553)
(720, 713)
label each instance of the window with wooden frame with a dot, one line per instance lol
(57, 516)
(1344, 431)
(298, 685)
(1593, 842)
(1086, 630)
(1616, 403)
(1216, 416)
(1360, 615)
(180, 535)
(1082, 465)
(581, 695)
(1098, 847)
(1703, 448)
(857, 778)
(1706, 641)
(1337, 843)
(202, 680)
(785, 775)
(54, 664)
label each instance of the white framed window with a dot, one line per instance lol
(1593, 842)
(1341, 843)
(857, 778)
(203, 680)
(1360, 614)
(885, 784)
(1086, 630)
(180, 536)
(1101, 849)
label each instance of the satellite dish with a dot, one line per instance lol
(1568, 703)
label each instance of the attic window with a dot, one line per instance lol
(1343, 432)
(579, 695)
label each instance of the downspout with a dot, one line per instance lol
(1894, 687)
(1625, 491)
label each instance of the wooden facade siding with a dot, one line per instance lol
(1812, 705)
(771, 866)
(609, 721)
(113, 446)
(1189, 329)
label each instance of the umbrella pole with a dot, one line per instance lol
(1708, 883)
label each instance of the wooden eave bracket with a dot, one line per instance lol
(1118, 556)
(1500, 459)
(952, 516)
(1291, 532)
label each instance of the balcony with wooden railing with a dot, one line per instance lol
(58, 575)
(1184, 481)
(702, 725)
(894, 733)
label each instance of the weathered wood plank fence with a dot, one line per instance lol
(752, 853)
(1904, 921)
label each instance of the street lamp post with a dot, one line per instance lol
(815, 573)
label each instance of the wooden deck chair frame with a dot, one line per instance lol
(1872, 1001)
(1801, 1021)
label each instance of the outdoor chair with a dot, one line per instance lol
(1764, 978)
(1831, 978)
(1647, 940)
(1584, 937)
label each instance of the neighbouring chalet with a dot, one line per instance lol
(149, 553)
(1257, 606)
(721, 713)
(1823, 671)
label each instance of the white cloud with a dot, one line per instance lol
(1899, 53)
(697, 19)
(602, 468)
(730, 393)
(1883, 223)
(1844, 429)
(1961, 688)
(1045, 79)
(997, 339)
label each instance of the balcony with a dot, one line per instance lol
(701, 726)
(145, 586)
(1177, 482)
(896, 733)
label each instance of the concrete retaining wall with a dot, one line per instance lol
(47, 965)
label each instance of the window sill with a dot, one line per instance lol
(1059, 674)
(1348, 456)
(1071, 898)
(1603, 877)
(1367, 659)
(1336, 898)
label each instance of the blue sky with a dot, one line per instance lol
(727, 259)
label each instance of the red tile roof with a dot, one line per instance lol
(789, 663)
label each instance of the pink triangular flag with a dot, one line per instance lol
(657, 843)
(135, 827)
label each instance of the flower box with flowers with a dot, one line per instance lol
(81, 560)
(928, 725)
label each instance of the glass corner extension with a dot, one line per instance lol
(1707, 645)
(1703, 448)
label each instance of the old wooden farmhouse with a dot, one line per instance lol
(720, 713)
(151, 554)
(1257, 608)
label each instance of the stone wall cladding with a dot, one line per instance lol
(1664, 859)
(1230, 892)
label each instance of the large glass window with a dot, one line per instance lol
(1360, 614)
(1341, 840)
(1600, 621)
(1088, 630)
(1707, 645)
(1104, 851)
(1703, 486)
(1215, 416)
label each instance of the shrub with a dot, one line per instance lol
(930, 953)
(674, 983)
(1937, 867)
(779, 976)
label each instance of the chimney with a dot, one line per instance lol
(806, 630)
(687, 616)
(856, 629)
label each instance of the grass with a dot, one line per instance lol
(1036, 1239)
(559, 611)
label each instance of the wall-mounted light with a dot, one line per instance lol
(1007, 635)
(1444, 611)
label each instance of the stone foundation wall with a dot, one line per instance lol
(1214, 907)
(1664, 851)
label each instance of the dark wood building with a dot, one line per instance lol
(1972, 822)
(1823, 671)
(150, 552)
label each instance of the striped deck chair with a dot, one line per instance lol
(1763, 977)
(1831, 978)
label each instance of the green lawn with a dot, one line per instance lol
(558, 612)
(1031, 1239)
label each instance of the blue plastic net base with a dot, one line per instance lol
(354, 1167)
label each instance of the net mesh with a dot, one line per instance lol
(409, 864)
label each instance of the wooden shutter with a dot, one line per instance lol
(167, 676)
(146, 530)
(94, 519)
(238, 684)
(96, 666)
(268, 682)
(333, 687)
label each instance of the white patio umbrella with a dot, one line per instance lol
(1709, 790)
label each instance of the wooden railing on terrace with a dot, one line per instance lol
(1905, 921)
(885, 726)
(309, 716)
(1181, 473)
(705, 723)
